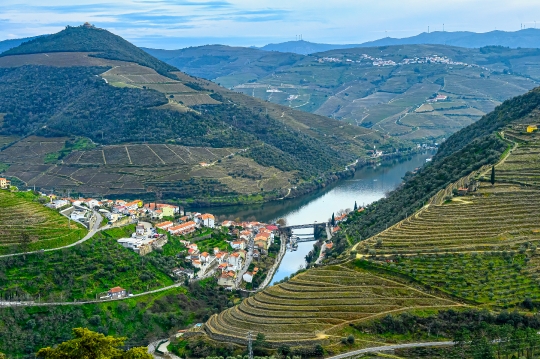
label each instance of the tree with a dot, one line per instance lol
(355, 206)
(481, 348)
(492, 175)
(25, 241)
(3, 356)
(333, 220)
(282, 222)
(91, 345)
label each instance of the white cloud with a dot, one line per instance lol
(257, 22)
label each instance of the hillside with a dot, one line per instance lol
(389, 90)
(90, 39)
(27, 225)
(102, 117)
(526, 38)
(9, 44)
(478, 249)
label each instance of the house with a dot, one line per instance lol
(264, 237)
(78, 215)
(140, 230)
(183, 228)
(92, 203)
(248, 277)
(112, 217)
(58, 203)
(168, 209)
(116, 293)
(235, 261)
(329, 245)
(227, 279)
(216, 250)
(207, 220)
(463, 191)
(4, 183)
(341, 218)
(197, 264)
(134, 204)
(227, 223)
(530, 129)
(245, 235)
(238, 244)
(256, 254)
(182, 272)
(164, 225)
(222, 257)
(205, 257)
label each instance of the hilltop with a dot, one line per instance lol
(103, 117)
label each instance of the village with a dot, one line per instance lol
(238, 258)
(379, 62)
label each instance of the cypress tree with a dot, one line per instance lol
(333, 221)
(492, 175)
(355, 206)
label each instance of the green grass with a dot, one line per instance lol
(85, 271)
(320, 302)
(497, 279)
(21, 214)
(140, 319)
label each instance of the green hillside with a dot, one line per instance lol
(25, 224)
(374, 87)
(477, 250)
(174, 136)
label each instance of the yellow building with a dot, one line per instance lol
(4, 183)
(531, 128)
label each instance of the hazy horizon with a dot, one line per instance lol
(171, 24)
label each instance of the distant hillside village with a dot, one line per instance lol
(377, 61)
(236, 246)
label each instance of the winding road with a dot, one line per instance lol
(391, 347)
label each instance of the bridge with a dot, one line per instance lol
(318, 229)
(302, 226)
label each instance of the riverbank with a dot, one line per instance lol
(303, 189)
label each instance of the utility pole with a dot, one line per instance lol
(250, 345)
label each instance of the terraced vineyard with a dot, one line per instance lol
(317, 304)
(503, 216)
(45, 228)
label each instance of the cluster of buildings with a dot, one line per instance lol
(248, 241)
(144, 240)
(377, 61)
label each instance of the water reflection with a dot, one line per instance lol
(368, 185)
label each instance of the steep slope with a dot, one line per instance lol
(9, 44)
(388, 90)
(88, 38)
(155, 131)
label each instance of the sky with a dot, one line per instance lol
(172, 24)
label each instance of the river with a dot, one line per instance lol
(368, 185)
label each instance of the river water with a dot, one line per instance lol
(368, 185)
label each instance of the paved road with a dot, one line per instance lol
(95, 228)
(249, 258)
(275, 267)
(391, 347)
(46, 304)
